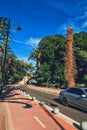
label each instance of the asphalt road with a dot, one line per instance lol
(53, 101)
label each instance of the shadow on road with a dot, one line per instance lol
(9, 96)
(57, 100)
(78, 109)
(77, 126)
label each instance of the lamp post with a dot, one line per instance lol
(1, 56)
(5, 27)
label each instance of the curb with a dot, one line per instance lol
(62, 124)
(56, 117)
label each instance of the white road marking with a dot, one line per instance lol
(39, 122)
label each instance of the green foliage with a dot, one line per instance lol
(52, 50)
(10, 66)
(15, 69)
(18, 76)
(44, 74)
(80, 49)
(85, 79)
(45, 84)
(33, 55)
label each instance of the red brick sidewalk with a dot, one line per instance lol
(25, 114)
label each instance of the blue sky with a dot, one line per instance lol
(40, 18)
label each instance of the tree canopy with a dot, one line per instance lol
(52, 59)
(10, 66)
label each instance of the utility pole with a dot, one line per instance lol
(5, 51)
(70, 67)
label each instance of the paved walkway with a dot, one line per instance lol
(2, 116)
(22, 113)
(45, 89)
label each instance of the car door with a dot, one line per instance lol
(71, 96)
(81, 101)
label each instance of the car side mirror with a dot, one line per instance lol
(83, 96)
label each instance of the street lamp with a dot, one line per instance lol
(6, 25)
(1, 56)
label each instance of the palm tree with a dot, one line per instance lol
(70, 67)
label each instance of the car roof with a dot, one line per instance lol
(83, 88)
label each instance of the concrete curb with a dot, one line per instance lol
(57, 118)
(62, 120)
(49, 109)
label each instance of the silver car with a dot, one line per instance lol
(74, 96)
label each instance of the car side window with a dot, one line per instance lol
(75, 91)
(71, 90)
(79, 92)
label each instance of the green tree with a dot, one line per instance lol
(80, 49)
(52, 50)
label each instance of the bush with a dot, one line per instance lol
(80, 85)
(52, 85)
(45, 84)
(57, 85)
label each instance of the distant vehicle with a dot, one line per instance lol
(74, 96)
(31, 81)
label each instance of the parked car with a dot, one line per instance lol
(74, 96)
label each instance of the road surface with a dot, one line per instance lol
(53, 101)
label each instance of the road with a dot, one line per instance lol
(53, 101)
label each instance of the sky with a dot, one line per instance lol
(40, 18)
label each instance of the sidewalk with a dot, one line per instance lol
(22, 113)
(45, 89)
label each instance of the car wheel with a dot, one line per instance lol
(64, 101)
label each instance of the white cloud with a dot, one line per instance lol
(69, 23)
(18, 41)
(85, 24)
(81, 17)
(33, 42)
(78, 18)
